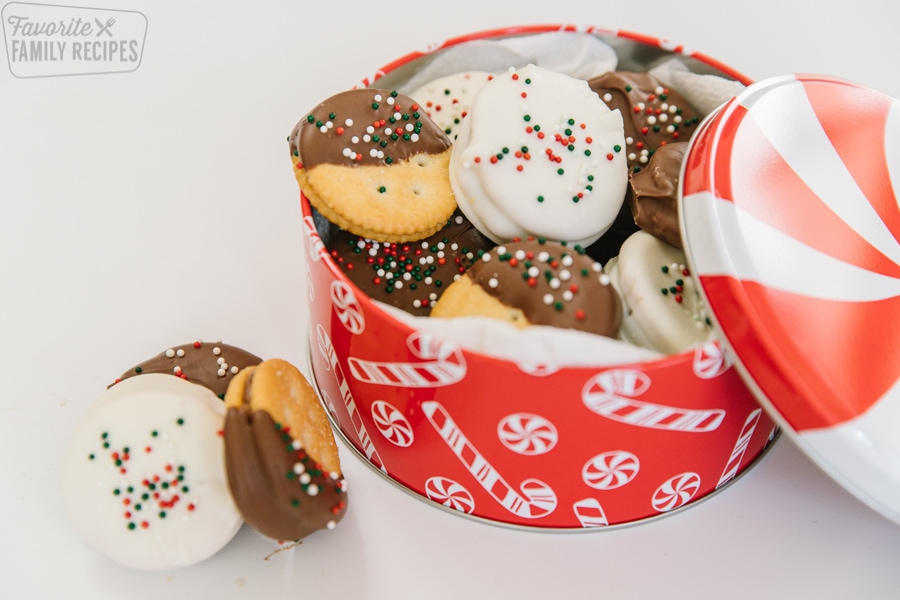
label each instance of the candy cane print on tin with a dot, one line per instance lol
(611, 394)
(443, 364)
(527, 434)
(797, 255)
(676, 492)
(536, 500)
(449, 493)
(314, 241)
(590, 513)
(347, 307)
(391, 423)
(740, 446)
(610, 470)
(326, 348)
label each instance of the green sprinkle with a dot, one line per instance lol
(90, 457)
(560, 171)
(331, 115)
(162, 514)
(179, 421)
(116, 492)
(310, 119)
(528, 118)
(131, 526)
(138, 370)
(587, 152)
(375, 105)
(382, 190)
(540, 198)
(664, 269)
(571, 121)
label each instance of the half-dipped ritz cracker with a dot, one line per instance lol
(373, 163)
(281, 459)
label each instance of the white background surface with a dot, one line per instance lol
(143, 210)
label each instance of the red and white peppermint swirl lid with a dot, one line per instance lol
(792, 227)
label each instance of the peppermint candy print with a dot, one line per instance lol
(610, 470)
(710, 360)
(347, 307)
(534, 498)
(611, 394)
(444, 364)
(450, 494)
(676, 492)
(527, 434)
(391, 423)
(590, 513)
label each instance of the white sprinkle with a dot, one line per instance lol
(220, 360)
(355, 139)
(567, 260)
(331, 524)
(664, 106)
(407, 276)
(180, 352)
(388, 131)
(596, 267)
(548, 299)
(429, 259)
(329, 125)
(348, 122)
(670, 129)
(380, 154)
(347, 152)
(486, 257)
(334, 475)
(663, 118)
(659, 90)
(177, 369)
(501, 250)
(299, 467)
(432, 296)
(305, 478)
(641, 105)
(398, 284)
(565, 275)
(370, 129)
(377, 97)
(398, 116)
(389, 275)
(417, 303)
(493, 283)
(629, 140)
(534, 272)
(520, 255)
(380, 272)
(367, 138)
(221, 372)
(410, 127)
(632, 156)
(428, 281)
(554, 283)
(604, 279)
(217, 351)
(568, 295)
(414, 137)
(170, 353)
(234, 370)
(323, 129)
(373, 153)
(543, 256)
(677, 118)
(607, 97)
(390, 100)
(295, 444)
(673, 109)
(313, 489)
(651, 120)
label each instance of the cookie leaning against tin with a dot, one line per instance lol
(280, 455)
(373, 163)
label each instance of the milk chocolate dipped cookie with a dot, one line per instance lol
(212, 365)
(409, 275)
(654, 114)
(653, 193)
(143, 476)
(663, 309)
(536, 282)
(280, 455)
(539, 155)
(372, 162)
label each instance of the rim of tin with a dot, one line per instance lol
(336, 427)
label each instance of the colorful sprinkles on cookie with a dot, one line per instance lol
(447, 100)
(365, 127)
(539, 154)
(144, 478)
(409, 275)
(654, 115)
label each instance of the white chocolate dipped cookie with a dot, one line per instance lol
(663, 309)
(144, 475)
(447, 99)
(539, 154)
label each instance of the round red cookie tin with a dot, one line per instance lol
(792, 225)
(570, 449)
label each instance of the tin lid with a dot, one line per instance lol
(792, 227)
